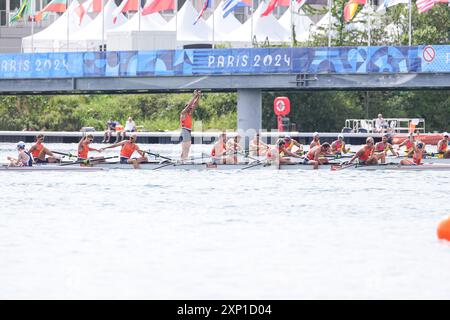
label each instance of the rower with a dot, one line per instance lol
(127, 150)
(418, 152)
(316, 141)
(39, 152)
(289, 144)
(274, 153)
(232, 147)
(409, 144)
(442, 147)
(257, 147)
(382, 147)
(219, 149)
(365, 154)
(186, 124)
(84, 148)
(338, 146)
(24, 159)
(316, 155)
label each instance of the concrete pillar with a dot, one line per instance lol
(249, 113)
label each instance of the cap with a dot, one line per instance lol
(315, 134)
(340, 136)
(445, 134)
(420, 145)
(21, 145)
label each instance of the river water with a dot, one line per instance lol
(130, 234)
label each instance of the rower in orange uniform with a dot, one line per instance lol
(442, 147)
(338, 146)
(290, 143)
(316, 141)
(418, 152)
(127, 150)
(84, 148)
(409, 144)
(39, 152)
(316, 155)
(274, 155)
(219, 149)
(382, 147)
(186, 124)
(365, 154)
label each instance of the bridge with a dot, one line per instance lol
(247, 71)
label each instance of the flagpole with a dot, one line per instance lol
(176, 20)
(329, 23)
(213, 29)
(251, 34)
(32, 25)
(68, 12)
(291, 8)
(369, 23)
(410, 25)
(139, 13)
(103, 23)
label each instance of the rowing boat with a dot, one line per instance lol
(156, 166)
(51, 168)
(203, 166)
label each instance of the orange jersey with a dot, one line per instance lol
(310, 154)
(221, 148)
(366, 154)
(417, 157)
(37, 151)
(409, 146)
(128, 149)
(83, 153)
(187, 122)
(442, 146)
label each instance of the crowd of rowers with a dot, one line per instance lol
(226, 150)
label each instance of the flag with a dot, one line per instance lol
(277, 3)
(350, 9)
(88, 6)
(229, 6)
(125, 6)
(24, 9)
(158, 5)
(53, 6)
(425, 5)
(206, 5)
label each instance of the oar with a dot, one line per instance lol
(258, 162)
(342, 166)
(87, 161)
(65, 154)
(157, 155)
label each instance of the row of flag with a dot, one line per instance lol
(228, 6)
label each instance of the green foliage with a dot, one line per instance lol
(157, 112)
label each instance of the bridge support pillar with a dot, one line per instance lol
(249, 114)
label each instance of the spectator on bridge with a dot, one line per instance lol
(110, 128)
(130, 126)
(380, 124)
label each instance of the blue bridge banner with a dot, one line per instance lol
(189, 62)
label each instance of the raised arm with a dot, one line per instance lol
(115, 145)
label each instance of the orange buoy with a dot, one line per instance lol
(443, 230)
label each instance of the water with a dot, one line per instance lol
(126, 234)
